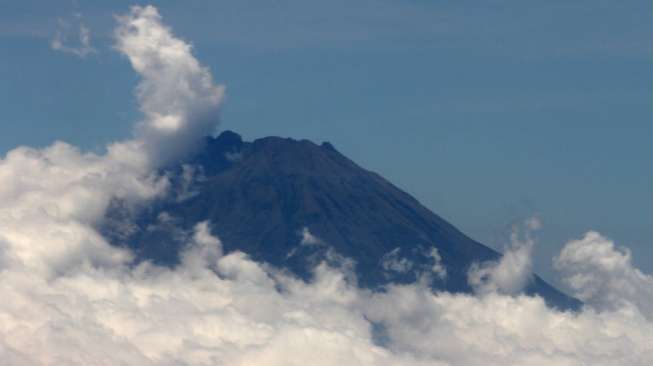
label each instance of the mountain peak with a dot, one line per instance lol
(267, 196)
(227, 137)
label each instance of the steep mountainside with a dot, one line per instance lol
(290, 203)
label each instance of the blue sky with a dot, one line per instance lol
(488, 112)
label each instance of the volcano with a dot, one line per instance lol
(292, 203)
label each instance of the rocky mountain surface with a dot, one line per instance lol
(293, 203)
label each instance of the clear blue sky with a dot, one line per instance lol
(486, 111)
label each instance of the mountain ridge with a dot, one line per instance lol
(264, 197)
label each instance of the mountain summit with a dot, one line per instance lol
(292, 203)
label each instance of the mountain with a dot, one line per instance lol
(291, 203)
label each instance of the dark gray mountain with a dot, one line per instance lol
(287, 202)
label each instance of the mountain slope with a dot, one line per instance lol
(291, 203)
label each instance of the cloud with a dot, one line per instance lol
(309, 239)
(69, 297)
(394, 262)
(514, 270)
(600, 274)
(503, 330)
(73, 38)
(438, 267)
(189, 176)
(52, 198)
(227, 309)
(177, 95)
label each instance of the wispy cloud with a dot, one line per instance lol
(73, 37)
(513, 271)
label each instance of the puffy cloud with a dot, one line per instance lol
(217, 309)
(177, 95)
(52, 198)
(603, 275)
(73, 38)
(205, 251)
(232, 314)
(514, 270)
(502, 330)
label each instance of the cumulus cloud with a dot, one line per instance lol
(514, 270)
(601, 274)
(70, 298)
(503, 330)
(177, 95)
(73, 37)
(51, 199)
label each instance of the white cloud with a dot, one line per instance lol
(394, 262)
(177, 95)
(438, 267)
(309, 239)
(73, 37)
(510, 274)
(242, 313)
(502, 330)
(52, 198)
(603, 275)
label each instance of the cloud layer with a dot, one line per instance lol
(70, 298)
